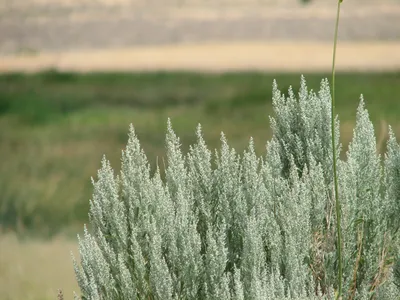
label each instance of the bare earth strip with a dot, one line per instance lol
(217, 57)
(72, 30)
(196, 35)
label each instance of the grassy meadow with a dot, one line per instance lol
(55, 127)
(36, 269)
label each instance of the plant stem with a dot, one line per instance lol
(335, 176)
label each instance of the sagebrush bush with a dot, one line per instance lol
(229, 226)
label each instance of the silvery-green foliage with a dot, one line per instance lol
(368, 194)
(361, 198)
(392, 182)
(243, 227)
(302, 127)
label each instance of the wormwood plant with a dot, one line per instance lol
(239, 226)
(225, 225)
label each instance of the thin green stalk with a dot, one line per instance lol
(335, 177)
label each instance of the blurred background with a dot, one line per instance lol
(75, 73)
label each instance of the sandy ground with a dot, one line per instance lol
(126, 35)
(216, 57)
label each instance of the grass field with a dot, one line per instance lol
(56, 126)
(36, 269)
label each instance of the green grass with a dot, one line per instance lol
(56, 126)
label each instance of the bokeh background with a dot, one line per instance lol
(75, 73)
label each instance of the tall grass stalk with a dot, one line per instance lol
(337, 201)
